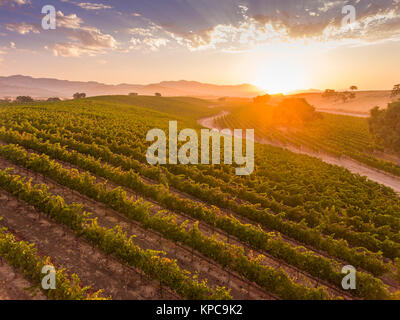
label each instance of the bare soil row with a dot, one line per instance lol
(13, 285)
(94, 268)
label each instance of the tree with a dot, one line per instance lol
(385, 126)
(353, 88)
(344, 96)
(79, 95)
(24, 99)
(134, 94)
(329, 93)
(157, 94)
(262, 100)
(395, 91)
(294, 111)
(55, 99)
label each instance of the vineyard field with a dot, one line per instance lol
(77, 190)
(333, 134)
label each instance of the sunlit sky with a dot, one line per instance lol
(279, 45)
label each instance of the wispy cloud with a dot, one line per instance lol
(374, 23)
(153, 44)
(13, 3)
(83, 40)
(22, 28)
(93, 6)
(71, 21)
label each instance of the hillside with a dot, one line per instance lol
(364, 101)
(13, 86)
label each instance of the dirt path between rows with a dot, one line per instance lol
(353, 166)
(93, 266)
(13, 285)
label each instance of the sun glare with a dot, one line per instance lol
(280, 77)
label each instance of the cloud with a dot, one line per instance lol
(150, 36)
(153, 44)
(93, 6)
(83, 40)
(246, 33)
(329, 5)
(384, 25)
(231, 37)
(92, 37)
(22, 28)
(71, 50)
(12, 3)
(141, 32)
(319, 21)
(71, 21)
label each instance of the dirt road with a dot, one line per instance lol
(353, 166)
(344, 113)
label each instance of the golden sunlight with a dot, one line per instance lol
(280, 77)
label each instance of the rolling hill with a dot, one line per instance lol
(16, 85)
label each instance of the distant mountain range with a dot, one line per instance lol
(17, 85)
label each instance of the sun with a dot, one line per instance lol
(280, 77)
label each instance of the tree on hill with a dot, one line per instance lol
(79, 95)
(134, 94)
(395, 91)
(262, 100)
(345, 96)
(328, 93)
(384, 124)
(55, 99)
(24, 99)
(157, 94)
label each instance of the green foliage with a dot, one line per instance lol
(293, 112)
(385, 126)
(395, 91)
(24, 256)
(78, 95)
(23, 99)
